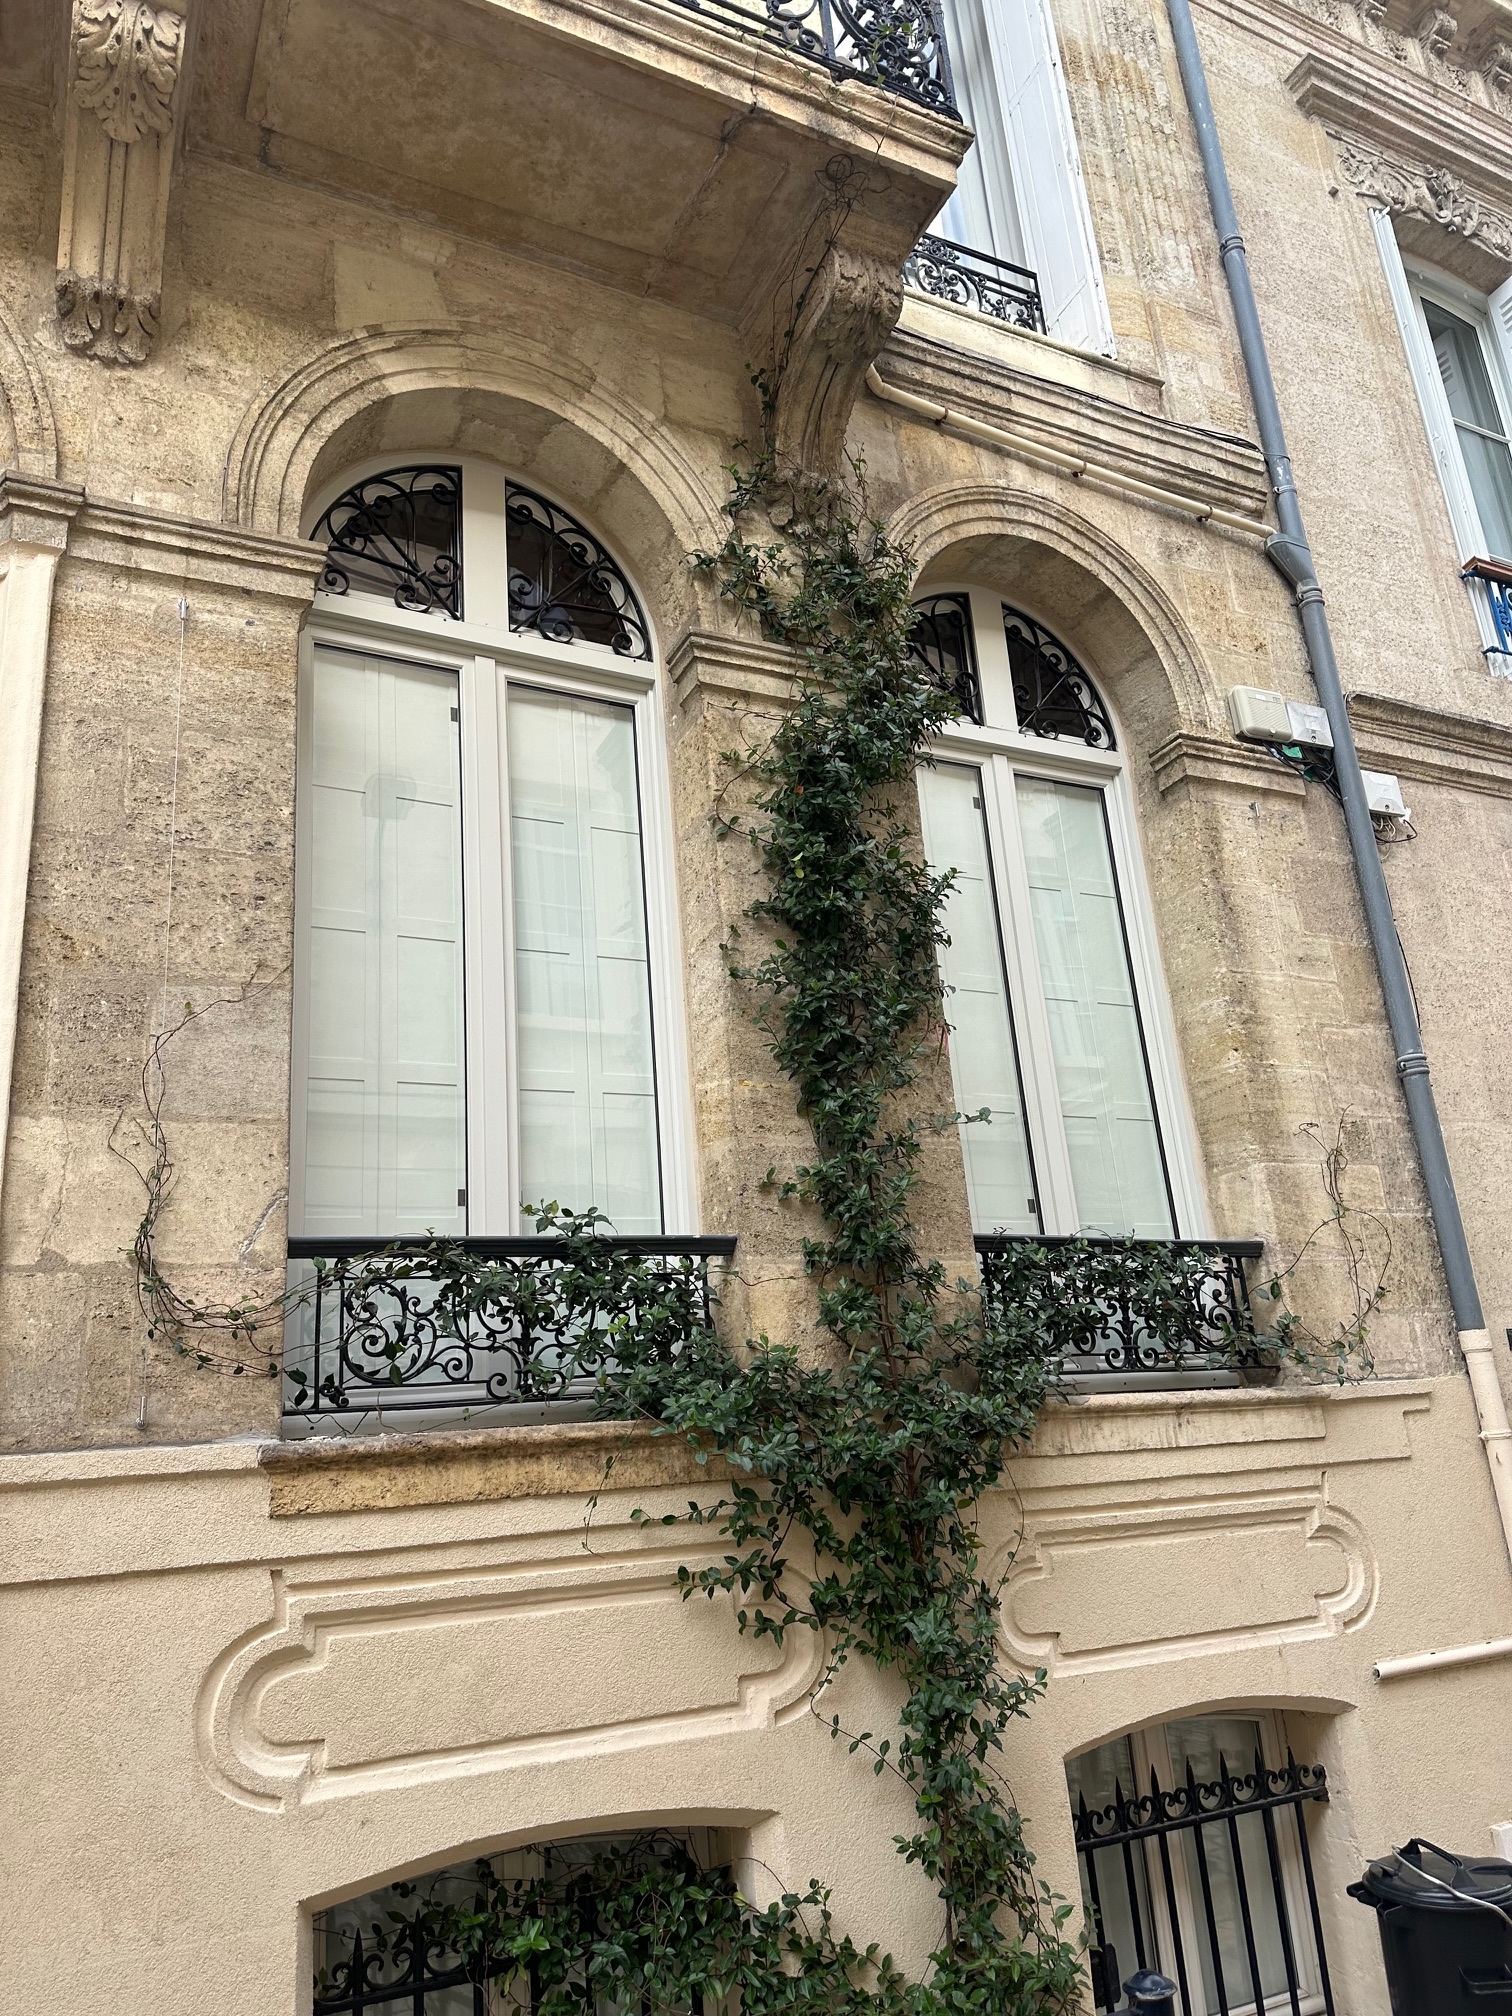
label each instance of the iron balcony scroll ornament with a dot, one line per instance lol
(940, 639)
(995, 287)
(898, 45)
(563, 584)
(398, 534)
(424, 1324)
(1111, 1306)
(1052, 691)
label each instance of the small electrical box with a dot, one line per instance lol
(1383, 793)
(1309, 725)
(1259, 716)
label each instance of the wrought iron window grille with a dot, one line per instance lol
(399, 1967)
(898, 45)
(1052, 691)
(563, 584)
(1132, 1840)
(968, 279)
(1109, 1307)
(421, 1325)
(941, 640)
(398, 534)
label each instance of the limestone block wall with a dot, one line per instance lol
(306, 327)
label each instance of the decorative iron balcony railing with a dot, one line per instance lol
(898, 45)
(419, 1325)
(968, 279)
(1217, 1868)
(1495, 577)
(1117, 1306)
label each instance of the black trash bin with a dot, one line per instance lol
(1446, 1928)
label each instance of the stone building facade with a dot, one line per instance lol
(261, 258)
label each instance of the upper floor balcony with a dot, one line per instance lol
(678, 149)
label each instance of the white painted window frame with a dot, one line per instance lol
(1491, 317)
(488, 657)
(1014, 88)
(1003, 753)
(1150, 1747)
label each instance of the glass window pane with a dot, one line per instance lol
(1102, 1078)
(585, 1068)
(381, 944)
(1209, 1745)
(1115, 1883)
(983, 1055)
(1472, 400)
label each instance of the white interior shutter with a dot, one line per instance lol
(1101, 1072)
(381, 940)
(1429, 385)
(984, 1066)
(585, 1059)
(983, 209)
(1046, 169)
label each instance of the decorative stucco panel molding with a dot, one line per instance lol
(378, 1680)
(124, 68)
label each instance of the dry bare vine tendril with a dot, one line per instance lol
(171, 1316)
(1344, 1354)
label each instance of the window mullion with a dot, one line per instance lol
(1047, 1133)
(487, 915)
(993, 668)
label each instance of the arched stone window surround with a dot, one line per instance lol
(1033, 1186)
(467, 388)
(491, 669)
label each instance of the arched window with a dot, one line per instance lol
(484, 973)
(1059, 1027)
(1192, 1841)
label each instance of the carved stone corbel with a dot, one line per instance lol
(848, 310)
(1495, 66)
(1436, 31)
(124, 66)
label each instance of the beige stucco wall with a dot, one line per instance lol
(238, 1688)
(235, 1692)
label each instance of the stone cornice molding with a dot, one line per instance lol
(1459, 63)
(1459, 751)
(733, 668)
(35, 511)
(1221, 470)
(1190, 758)
(125, 64)
(1397, 147)
(193, 550)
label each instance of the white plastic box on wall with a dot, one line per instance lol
(1262, 716)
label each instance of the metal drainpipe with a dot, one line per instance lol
(1291, 553)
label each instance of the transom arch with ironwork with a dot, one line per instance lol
(1047, 693)
(414, 530)
(1092, 590)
